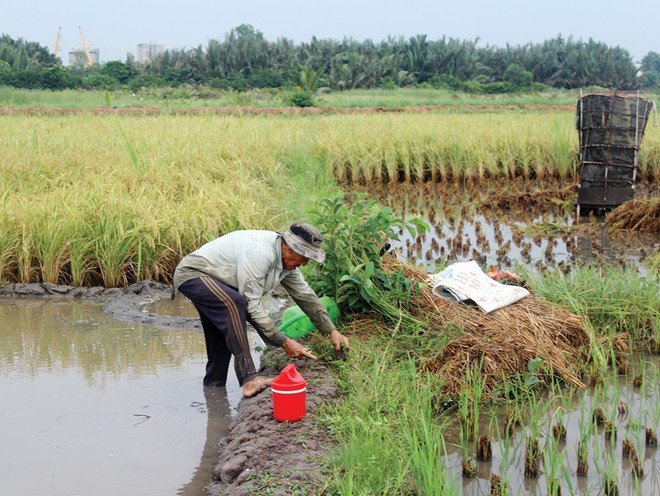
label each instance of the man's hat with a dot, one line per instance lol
(305, 240)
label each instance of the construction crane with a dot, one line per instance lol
(57, 41)
(87, 55)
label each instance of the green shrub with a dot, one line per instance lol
(301, 99)
(5, 72)
(356, 235)
(518, 77)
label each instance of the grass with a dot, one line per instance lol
(199, 97)
(188, 96)
(621, 302)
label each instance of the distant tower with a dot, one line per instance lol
(78, 57)
(149, 51)
(88, 55)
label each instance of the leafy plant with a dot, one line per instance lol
(356, 236)
(301, 99)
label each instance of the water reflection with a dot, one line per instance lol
(45, 336)
(218, 419)
(91, 405)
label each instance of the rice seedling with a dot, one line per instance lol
(586, 428)
(653, 413)
(536, 408)
(564, 397)
(532, 457)
(608, 468)
(500, 483)
(559, 430)
(426, 445)
(484, 448)
(469, 402)
(556, 471)
(630, 450)
(496, 486)
(513, 413)
(469, 469)
(610, 474)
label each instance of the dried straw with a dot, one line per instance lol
(642, 215)
(504, 341)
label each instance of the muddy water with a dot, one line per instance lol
(92, 405)
(639, 409)
(464, 226)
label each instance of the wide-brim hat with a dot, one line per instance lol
(305, 240)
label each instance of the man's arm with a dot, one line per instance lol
(309, 302)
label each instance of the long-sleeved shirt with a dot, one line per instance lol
(251, 262)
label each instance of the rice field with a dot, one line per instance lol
(111, 199)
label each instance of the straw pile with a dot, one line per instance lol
(641, 215)
(504, 341)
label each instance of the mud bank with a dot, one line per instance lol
(258, 455)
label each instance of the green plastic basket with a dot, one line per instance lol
(295, 324)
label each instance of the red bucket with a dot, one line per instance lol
(289, 395)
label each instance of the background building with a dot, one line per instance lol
(77, 56)
(148, 51)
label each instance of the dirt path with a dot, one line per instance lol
(276, 110)
(258, 455)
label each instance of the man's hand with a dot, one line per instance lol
(338, 339)
(294, 349)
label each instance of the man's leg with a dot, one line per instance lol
(225, 308)
(217, 352)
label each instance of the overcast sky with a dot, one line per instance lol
(116, 27)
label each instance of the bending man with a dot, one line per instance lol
(225, 280)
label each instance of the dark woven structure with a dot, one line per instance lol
(611, 128)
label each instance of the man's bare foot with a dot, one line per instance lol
(256, 385)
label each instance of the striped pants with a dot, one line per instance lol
(222, 311)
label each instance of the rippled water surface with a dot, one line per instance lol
(91, 405)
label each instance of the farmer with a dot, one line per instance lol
(226, 278)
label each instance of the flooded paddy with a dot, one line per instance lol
(474, 223)
(631, 408)
(93, 405)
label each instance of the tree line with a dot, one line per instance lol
(244, 60)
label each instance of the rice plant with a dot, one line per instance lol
(653, 412)
(537, 410)
(425, 441)
(555, 468)
(586, 428)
